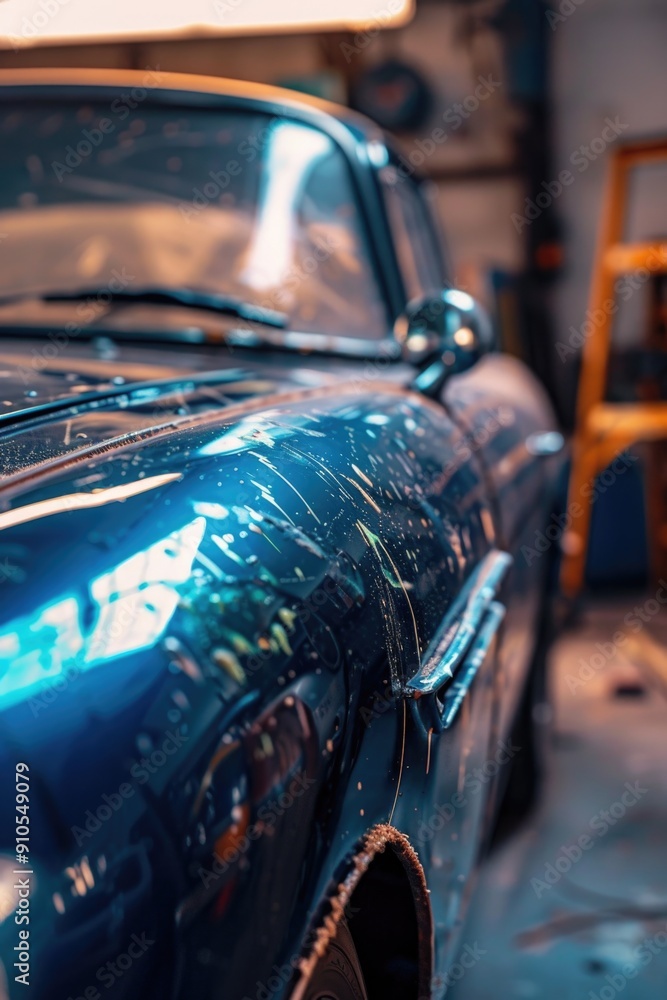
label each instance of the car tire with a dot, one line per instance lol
(338, 975)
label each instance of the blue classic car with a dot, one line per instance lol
(272, 553)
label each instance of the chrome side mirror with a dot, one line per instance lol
(443, 335)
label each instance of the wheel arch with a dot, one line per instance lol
(383, 897)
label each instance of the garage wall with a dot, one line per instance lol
(609, 61)
(475, 213)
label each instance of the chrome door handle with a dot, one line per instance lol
(456, 692)
(464, 623)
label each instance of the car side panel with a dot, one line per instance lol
(234, 626)
(501, 407)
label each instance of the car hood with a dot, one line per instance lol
(195, 552)
(121, 471)
(55, 401)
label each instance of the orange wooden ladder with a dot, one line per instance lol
(604, 429)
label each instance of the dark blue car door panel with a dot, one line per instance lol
(503, 411)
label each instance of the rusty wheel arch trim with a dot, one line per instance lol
(374, 843)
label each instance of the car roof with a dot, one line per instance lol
(186, 88)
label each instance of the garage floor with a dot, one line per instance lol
(591, 926)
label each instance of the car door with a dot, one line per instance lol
(449, 764)
(508, 428)
(467, 687)
(509, 424)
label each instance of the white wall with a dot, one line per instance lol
(609, 60)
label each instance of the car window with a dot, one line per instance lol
(241, 203)
(418, 255)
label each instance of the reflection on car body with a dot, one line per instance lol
(267, 613)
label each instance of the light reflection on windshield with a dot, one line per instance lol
(292, 152)
(233, 202)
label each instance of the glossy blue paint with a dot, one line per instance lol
(223, 572)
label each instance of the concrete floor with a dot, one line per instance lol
(593, 925)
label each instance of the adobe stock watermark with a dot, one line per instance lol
(624, 288)
(454, 117)
(9, 573)
(276, 982)
(642, 955)
(33, 25)
(281, 975)
(282, 297)
(85, 313)
(223, 8)
(566, 8)
(599, 824)
(375, 367)
(581, 158)
(381, 702)
(590, 492)
(92, 138)
(217, 181)
(473, 783)
(467, 959)
(141, 771)
(605, 651)
(468, 444)
(465, 446)
(109, 973)
(363, 39)
(268, 815)
(275, 641)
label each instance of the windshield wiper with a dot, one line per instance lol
(224, 305)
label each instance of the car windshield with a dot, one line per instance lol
(255, 207)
